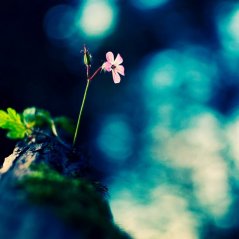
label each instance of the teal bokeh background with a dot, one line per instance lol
(166, 137)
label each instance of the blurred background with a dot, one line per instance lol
(167, 136)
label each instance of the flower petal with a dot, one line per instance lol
(110, 57)
(120, 69)
(107, 66)
(118, 59)
(116, 77)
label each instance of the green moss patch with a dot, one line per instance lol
(76, 201)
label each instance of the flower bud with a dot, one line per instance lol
(87, 57)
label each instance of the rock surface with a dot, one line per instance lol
(48, 191)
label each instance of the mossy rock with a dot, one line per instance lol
(49, 191)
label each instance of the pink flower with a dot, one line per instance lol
(114, 65)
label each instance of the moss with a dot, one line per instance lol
(76, 201)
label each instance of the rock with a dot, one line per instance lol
(49, 191)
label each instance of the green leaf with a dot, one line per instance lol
(36, 117)
(29, 116)
(20, 125)
(65, 123)
(43, 116)
(11, 121)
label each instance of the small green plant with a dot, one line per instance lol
(12, 121)
(20, 125)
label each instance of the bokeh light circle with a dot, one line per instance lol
(97, 18)
(148, 4)
(187, 72)
(115, 139)
(59, 22)
(228, 27)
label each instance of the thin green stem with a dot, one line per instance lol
(80, 114)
